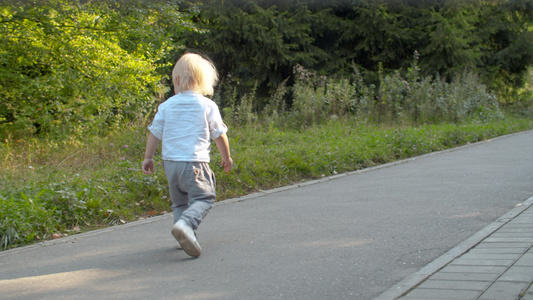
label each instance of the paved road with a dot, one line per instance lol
(352, 236)
(494, 264)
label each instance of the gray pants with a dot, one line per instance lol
(192, 190)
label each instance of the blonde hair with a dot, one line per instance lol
(195, 73)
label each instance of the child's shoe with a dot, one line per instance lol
(186, 238)
(179, 247)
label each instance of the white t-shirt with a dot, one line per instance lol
(185, 123)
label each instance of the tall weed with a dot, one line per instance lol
(397, 100)
(241, 112)
(276, 106)
(309, 100)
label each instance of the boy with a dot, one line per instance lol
(185, 123)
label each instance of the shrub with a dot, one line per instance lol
(70, 69)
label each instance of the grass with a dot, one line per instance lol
(51, 188)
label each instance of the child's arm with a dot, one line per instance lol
(148, 163)
(223, 146)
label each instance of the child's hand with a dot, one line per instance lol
(148, 166)
(227, 164)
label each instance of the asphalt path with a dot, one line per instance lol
(350, 236)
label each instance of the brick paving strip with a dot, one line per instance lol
(495, 263)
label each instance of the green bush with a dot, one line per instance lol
(68, 69)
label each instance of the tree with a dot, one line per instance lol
(67, 67)
(451, 45)
(507, 40)
(261, 40)
(256, 44)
